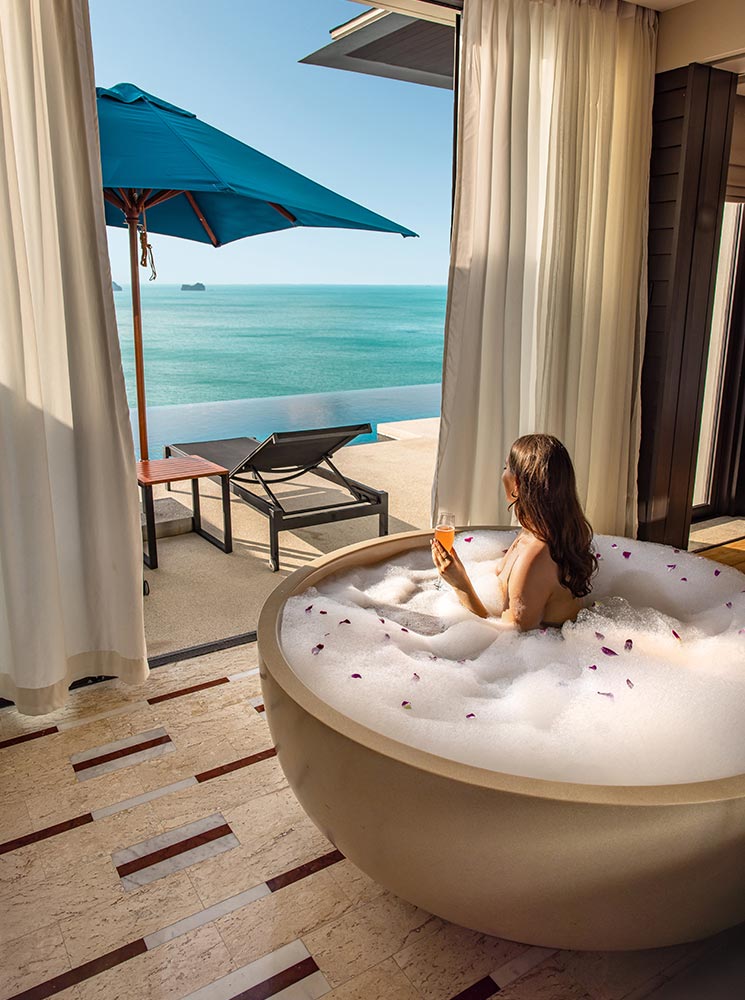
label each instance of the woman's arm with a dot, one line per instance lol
(452, 570)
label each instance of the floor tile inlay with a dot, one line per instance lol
(270, 976)
(121, 753)
(173, 851)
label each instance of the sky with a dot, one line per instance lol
(383, 143)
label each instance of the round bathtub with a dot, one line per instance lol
(549, 863)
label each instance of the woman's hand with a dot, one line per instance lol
(452, 570)
(449, 566)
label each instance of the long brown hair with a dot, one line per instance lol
(548, 506)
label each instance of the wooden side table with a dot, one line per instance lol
(171, 470)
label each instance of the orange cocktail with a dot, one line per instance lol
(445, 534)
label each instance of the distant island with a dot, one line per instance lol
(116, 288)
(196, 287)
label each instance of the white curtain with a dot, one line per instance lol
(547, 292)
(70, 556)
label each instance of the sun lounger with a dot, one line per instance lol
(284, 458)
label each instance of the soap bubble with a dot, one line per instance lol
(646, 687)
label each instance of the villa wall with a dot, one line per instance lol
(702, 31)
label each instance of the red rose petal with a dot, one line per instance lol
(345, 621)
(469, 539)
(470, 715)
(606, 694)
(627, 555)
(599, 635)
(309, 609)
(630, 683)
(608, 651)
(357, 675)
(317, 649)
(593, 666)
(628, 644)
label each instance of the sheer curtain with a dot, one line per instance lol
(547, 291)
(70, 557)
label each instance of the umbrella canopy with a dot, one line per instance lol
(190, 180)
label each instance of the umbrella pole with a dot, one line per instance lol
(132, 221)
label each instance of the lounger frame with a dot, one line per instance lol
(364, 500)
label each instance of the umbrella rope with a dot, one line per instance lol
(146, 250)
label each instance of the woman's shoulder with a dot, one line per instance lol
(534, 548)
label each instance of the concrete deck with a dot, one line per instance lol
(198, 594)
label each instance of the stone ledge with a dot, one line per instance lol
(171, 518)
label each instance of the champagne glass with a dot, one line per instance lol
(445, 535)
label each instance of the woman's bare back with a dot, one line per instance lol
(528, 581)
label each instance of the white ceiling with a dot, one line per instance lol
(661, 4)
(435, 12)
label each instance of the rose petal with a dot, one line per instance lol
(728, 604)
(627, 555)
(417, 677)
(599, 635)
(317, 649)
(345, 621)
(628, 644)
(326, 635)
(717, 572)
(357, 675)
(323, 612)
(593, 666)
(404, 630)
(470, 715)
(382, 621)
(606, 694)
(469, 539)
(676, 550)
(671, 566)
(387, 636)
(614, 545)
(630, 683)
(432, 656)
(608, 651)
(598, 556)
(684, 579)
(406, 704)
(675, 634)
(309, 609)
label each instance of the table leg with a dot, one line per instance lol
(226, 543)
(150, 557)
(196, 510)
(226, 515)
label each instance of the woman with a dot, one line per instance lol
(547, 569)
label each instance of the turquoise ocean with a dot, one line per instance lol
(246, 360)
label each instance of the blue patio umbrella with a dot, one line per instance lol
(163, 166)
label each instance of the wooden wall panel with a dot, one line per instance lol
(692, 118)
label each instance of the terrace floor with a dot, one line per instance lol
(150, 848)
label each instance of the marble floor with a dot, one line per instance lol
(150, 849)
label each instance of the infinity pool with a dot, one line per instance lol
(261, 417)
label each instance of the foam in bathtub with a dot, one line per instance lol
(647, 687)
